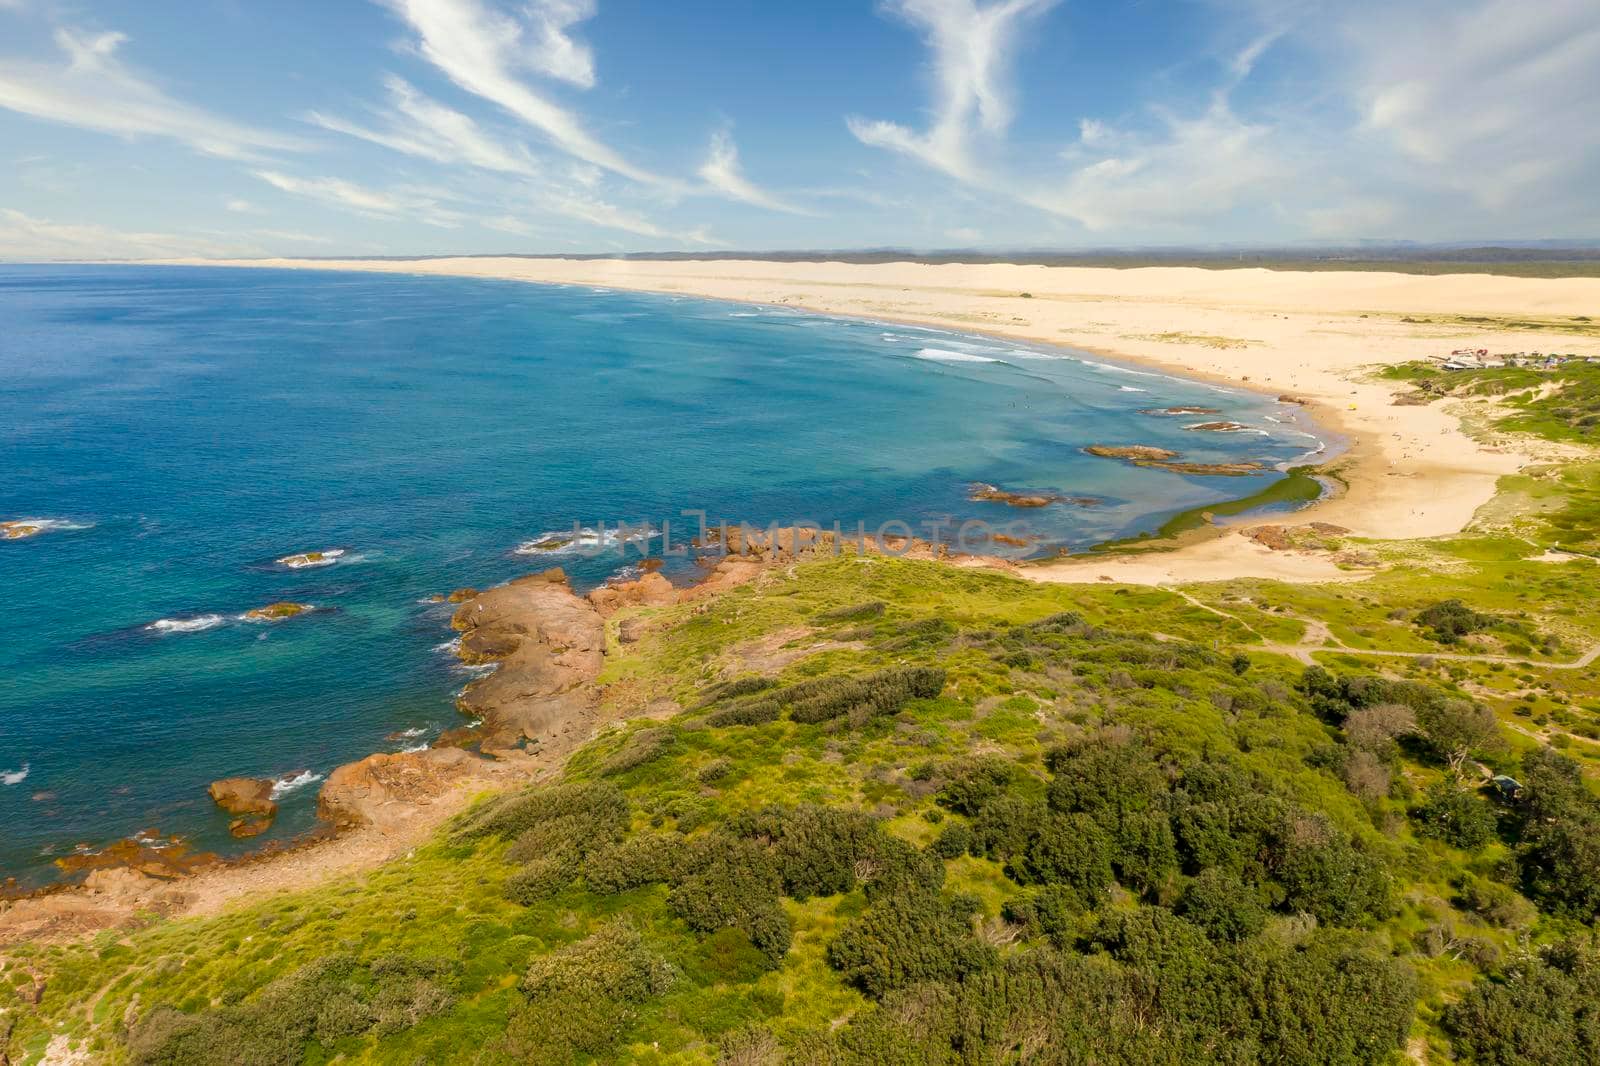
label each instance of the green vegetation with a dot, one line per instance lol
(1298, 487)
(1002, 817)
(1561, 404)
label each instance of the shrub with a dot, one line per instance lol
(973, 782)
(1051, 912)
(1545, 1008)
(953, 841)
(638, 860)
(1456, 816)
(858, 612)
(739, 887)
(1223, 906)
(906, 939)
(641, 747)
(1068, 849)
(1451, 620)
(601, 807)
(582, 998)
(752, 712)
(327, 1000)
(714, 771)
(884, 692)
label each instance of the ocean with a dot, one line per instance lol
(183, 429)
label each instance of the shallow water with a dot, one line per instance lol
(189, 426)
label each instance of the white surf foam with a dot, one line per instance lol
(941, 355)
(285, 785)
(567, 541)
(48, 525)
(298, 560)
(15, 777)
(186, 625)
(1130, 388)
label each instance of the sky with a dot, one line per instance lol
(130, 128)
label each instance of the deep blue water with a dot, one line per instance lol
(196, 424)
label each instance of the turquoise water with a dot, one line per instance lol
(189, 426)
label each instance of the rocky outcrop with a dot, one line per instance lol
(1171, 461)
(303, 560)
(384, 791)
(650, 590)
(244, 795)
(19, 530)
(982, 493)
(248, 797)
(548, 644)
(276, 612)
(1217, 427)
(1137, 452)
(1180, 410)
(1311, 536)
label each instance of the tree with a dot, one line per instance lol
(1454, 815)
(1454, 728)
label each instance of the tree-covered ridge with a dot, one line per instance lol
(918, 814)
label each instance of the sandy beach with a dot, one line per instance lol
(1318, 336)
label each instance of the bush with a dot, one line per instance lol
(638, 860)
(739, 686)
(884, 692)
(327, 1000)
(1451, 620)
(641, 747)
(971, 783)
(1545, 1008)
(1560, 821)
(859, 612)
(1224, 907)
(600, 807)
(753, 712)
(1051, 912)
(1456, 816)
(906, 939)
(1071, 850)
(582, 998)
(739, 887)
(953, 841)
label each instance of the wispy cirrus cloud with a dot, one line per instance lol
(94, 89)
(485, 51)
(385, 203)
(419, 126)
(971, 45)
(721, 171)
(27, 237)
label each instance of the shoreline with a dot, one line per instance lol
(1316, 336)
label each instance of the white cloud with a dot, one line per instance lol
(422, 127)
(722, 172)
(600, 213)
(26, 237)
(484, 50)
(392, 203)
(972, 44)
(1494, 97)
(95, 90)
(1188, 173)
(242, 206)
(553, 52)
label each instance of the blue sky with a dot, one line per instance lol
(433, 126)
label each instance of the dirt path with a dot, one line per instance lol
(1319, 638)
